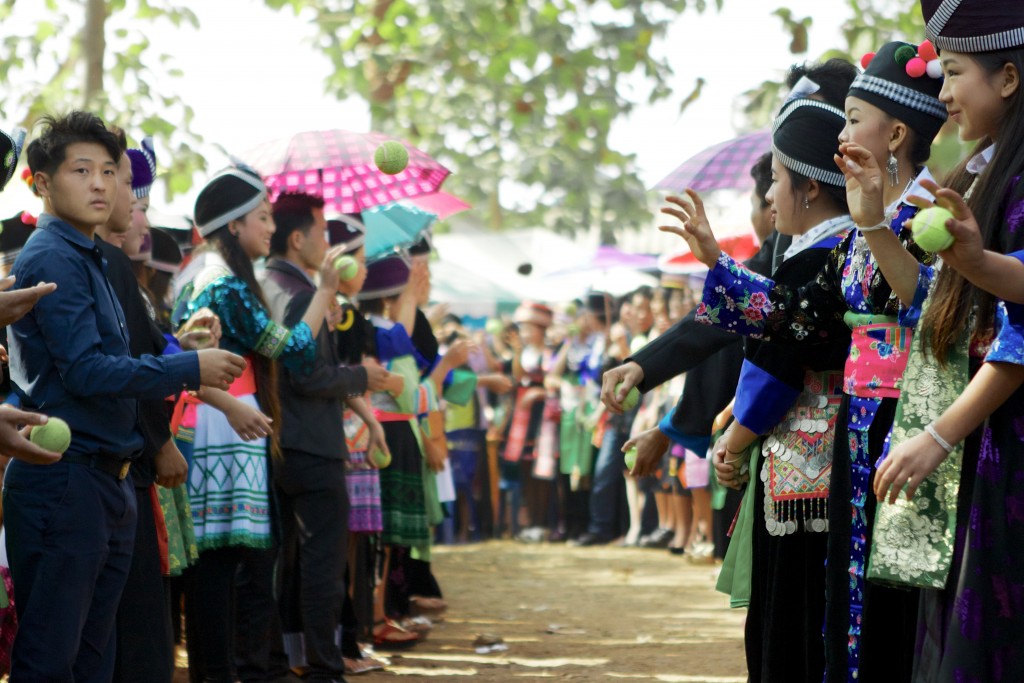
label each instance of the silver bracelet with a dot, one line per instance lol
(930, 428)
(872, 228)
(742, 454)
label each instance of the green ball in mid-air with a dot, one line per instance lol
(632, 398)
(630, 459)
(391, 157)
(493, 327)
(346, 266)
(381, 458)
(929, 229)
(54, 436)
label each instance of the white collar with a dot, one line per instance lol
(381, 322)
(981, 160)
(829, 228)
(914, 188)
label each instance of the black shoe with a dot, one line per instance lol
(589, 539)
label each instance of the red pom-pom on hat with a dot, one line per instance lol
(926, 51)
(866, 59)
(916, 67)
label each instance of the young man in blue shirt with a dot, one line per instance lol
(71, 525)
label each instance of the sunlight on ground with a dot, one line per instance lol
(673, 678)
(505, 660)
(415, 671)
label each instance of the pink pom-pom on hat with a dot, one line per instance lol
(916, 67)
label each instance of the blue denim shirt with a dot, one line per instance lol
(69, 355)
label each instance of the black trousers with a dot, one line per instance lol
(210, 609)
(259, 647)
(311, 582)
(145, 648)
(70, 535)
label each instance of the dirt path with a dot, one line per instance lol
(619, 614)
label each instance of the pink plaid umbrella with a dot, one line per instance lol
(441, 204)
(722, 166)
(338, 166)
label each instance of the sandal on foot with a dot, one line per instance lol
(420, 625)
(355, 667)
(388, 634)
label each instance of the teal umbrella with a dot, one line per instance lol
(394, 226)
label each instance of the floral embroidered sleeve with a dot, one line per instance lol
(910, 315)
(735, 299)
(738, 300)
(248, 326)
(1008, 345)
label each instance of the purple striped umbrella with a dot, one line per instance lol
(338, 166)
(720, 167)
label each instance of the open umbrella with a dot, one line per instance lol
(740, 247)
(394, 226)
(725, 166)
(607, 257)
(338, 166)
(565, 286)
(440, 203)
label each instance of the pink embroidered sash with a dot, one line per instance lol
(878, 356)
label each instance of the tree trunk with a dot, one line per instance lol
(94, 45)
(495, 219)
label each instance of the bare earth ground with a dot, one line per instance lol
(618, 613)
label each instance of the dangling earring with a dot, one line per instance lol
(807, 203)
(893, 168)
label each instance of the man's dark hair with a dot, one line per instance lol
(122, 138)
(833, 78)
(292, 211)
(761, 172)
(643, 291)
(48, 151)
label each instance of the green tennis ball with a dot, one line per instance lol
(630, 459)
(571, 309)
(346, 266)
(493, 327)
(54, 436)
(929, 229)
(632, 398)
(381, 458)
(391, 157)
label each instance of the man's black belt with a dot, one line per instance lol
(103, 463)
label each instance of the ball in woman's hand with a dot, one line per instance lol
(54, 436)
(381, 458)
(929, 229)
(630, 459)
